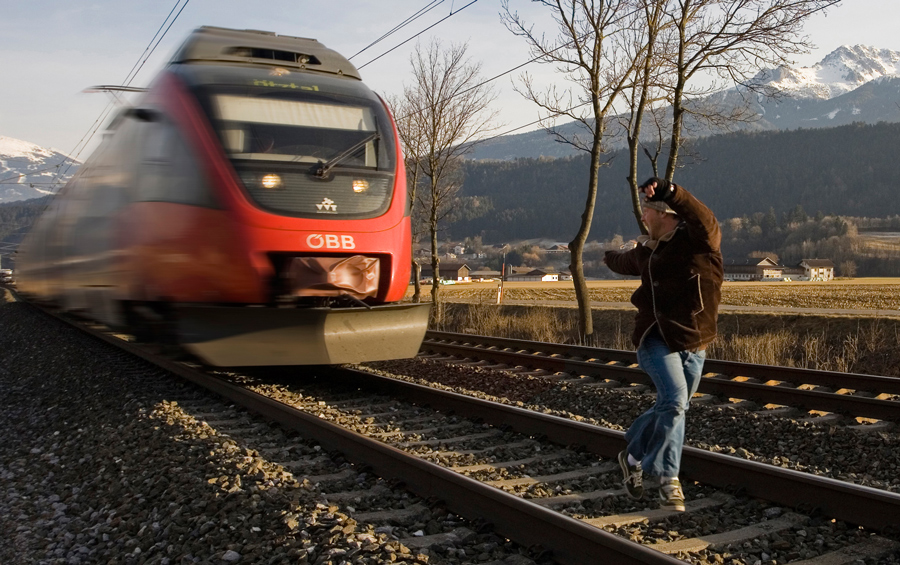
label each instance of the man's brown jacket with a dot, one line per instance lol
(681, 278)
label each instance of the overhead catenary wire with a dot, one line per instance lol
(151, 47)
(148, 51)
(148, 48)
(95, 126)
(418, 34)
(519, 66)
(154, 43)
(421, 12)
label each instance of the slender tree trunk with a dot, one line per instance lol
(417, 286)
(633, 154)
(576, 247)
(677, 119)
(416, 267)
(678, 96)
(634, 136)
(435, 259)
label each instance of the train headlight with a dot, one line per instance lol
(360, 185)
(271, 182)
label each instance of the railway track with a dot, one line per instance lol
(538, 478)
(823, 393)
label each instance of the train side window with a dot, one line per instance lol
(170, 170)
(187, 178)
(152, 178)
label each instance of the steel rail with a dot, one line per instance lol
(570, 541)
(870, 383)
(761, 393)
(856, 504)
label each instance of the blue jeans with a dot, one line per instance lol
(657, 436)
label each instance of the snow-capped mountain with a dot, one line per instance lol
(29, 171)
(851, 84)
(843, 70)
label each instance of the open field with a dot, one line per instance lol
(880, 241)
(865, 343)
(864, 293)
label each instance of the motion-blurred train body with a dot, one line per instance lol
(252, 204)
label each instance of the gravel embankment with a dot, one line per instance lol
(871, 458)
(99, 464)
(868, 458)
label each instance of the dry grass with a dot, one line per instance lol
(830, 343)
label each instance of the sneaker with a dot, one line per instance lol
(632, 476)
(671, 497)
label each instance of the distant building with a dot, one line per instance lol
(484, 275)
(458, 272)
(536, 275)
(767, 269)
(753, 269)
(818, 269)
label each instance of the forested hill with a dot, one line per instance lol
(16, 219)
(851, 170)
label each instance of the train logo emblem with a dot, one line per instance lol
(327, 206)
(330, 241)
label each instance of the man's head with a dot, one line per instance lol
(659, 218)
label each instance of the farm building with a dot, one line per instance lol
(484, 275)
(753, 269)
(458, 272)
(818, 269)
(767, 269)
(536, 275)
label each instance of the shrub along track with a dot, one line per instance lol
(541, 470)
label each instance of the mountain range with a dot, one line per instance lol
(30, 171)
(851, 84)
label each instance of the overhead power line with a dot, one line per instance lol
(418, 34)
(430, 6)
(132, 74)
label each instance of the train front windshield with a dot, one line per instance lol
(307, 146)
(297, 131)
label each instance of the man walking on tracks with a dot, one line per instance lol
(680, 265)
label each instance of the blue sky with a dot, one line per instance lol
(52, 49)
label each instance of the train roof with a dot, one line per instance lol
(262, 48)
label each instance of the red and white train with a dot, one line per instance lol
(252, 205)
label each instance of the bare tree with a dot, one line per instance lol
(732, 40)
(598, 69)
(447, 111)
(643, 41)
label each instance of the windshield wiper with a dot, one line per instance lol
(325, 168)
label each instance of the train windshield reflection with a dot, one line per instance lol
(270, 129)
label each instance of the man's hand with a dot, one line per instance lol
(656, 189)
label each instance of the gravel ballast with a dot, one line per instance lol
(100, 463)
